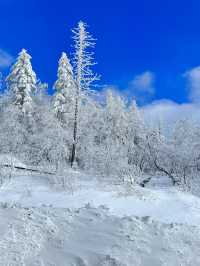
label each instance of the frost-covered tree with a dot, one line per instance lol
(22, 81)
(36, 138)
(175, 154)
(115, 116)
(41, 141)
(88, 138)
(64, 99)
(84, 76)
(111, 139)
(183, 156)
(136, 136)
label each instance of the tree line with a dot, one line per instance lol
(73, 128)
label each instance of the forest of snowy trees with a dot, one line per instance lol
(72, 128)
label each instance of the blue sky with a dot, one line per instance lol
(144, 47)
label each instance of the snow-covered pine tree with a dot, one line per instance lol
(113, 135)
(22, 82)
(64, 99)
(84, 76)
(136, 124)
(116, 117)
(136, 136)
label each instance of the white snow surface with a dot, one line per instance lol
(96, 224)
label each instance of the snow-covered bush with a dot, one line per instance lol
(130, 175)
(177, 154)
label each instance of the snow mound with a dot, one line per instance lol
(92, 237)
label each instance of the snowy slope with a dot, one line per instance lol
(163, 205)
(96, 225)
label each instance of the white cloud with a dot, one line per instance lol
(143, 82)
(168, 112)
(193, 77)
(5, 59)
(142, 86)
(164, 111)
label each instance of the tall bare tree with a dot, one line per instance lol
(84, 76)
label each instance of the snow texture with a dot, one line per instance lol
(96, 224)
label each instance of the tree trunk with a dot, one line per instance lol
(73, 154)
(168, 173)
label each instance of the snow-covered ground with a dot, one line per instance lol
(96, 224)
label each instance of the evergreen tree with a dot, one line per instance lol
(115, 117)
(22, 81)
(136, 144)
(113, 135)
(136, 124)
(64, 99)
